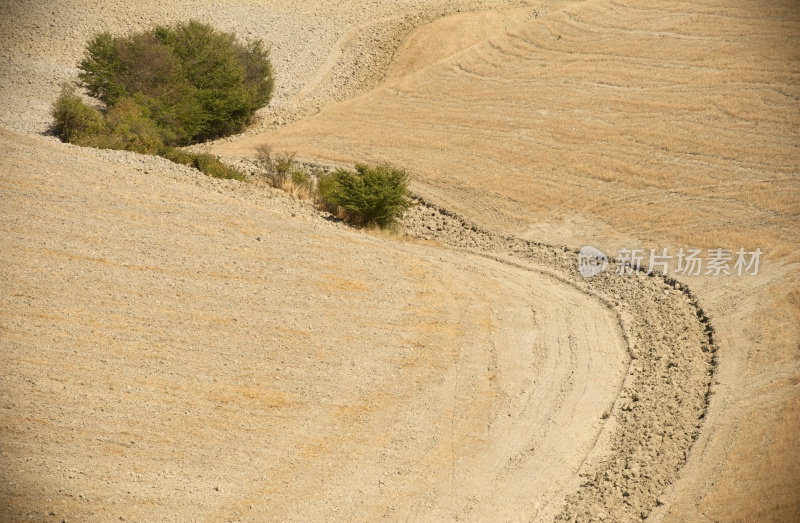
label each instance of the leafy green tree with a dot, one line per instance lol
(164, 88)
(193, 81)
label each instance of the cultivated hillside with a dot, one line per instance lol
(176, 347)
(622, 125)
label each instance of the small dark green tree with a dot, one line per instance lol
(370, 195)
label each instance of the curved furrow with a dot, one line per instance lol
(319, 373)
(656, 411)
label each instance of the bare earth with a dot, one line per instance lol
(177, 347)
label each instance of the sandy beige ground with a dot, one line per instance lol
(176, 346)
(620, 125)
(146, 327)
(225, 352)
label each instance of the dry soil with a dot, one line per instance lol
(178, 347)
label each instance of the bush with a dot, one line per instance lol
(301, 179)
(129, 127)
(74, 121)
(166, 87)
(205, 163)
(211, 165)
(283, 165)
(278, 169)
(177, 156)
(192, 81)
(371, 195)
